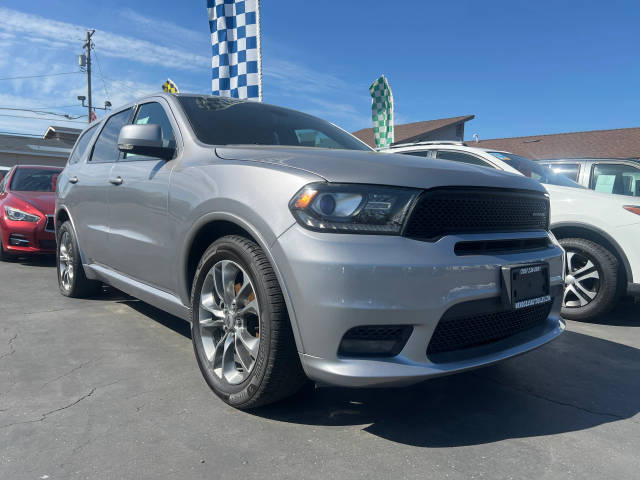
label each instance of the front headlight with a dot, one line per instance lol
(19, 215)
(352, 208)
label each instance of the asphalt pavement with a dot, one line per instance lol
(108, 388)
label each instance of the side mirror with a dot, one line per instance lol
(144, 140)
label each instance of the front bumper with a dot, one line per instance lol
(336, 282)
(28, 237)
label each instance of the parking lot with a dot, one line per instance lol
(109, 388)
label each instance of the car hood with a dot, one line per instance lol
(351, 166)
(43, 201)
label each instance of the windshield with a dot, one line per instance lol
(34, 180)
(226, 121)
(534, 170)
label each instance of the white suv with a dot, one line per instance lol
(598, 231)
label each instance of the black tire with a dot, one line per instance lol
(607, 286)
(276, 372)
(78, 286)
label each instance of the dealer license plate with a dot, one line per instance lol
(529, 285)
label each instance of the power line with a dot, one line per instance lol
(40, 76)
(41, 118)
(104, 84)
(41, 112)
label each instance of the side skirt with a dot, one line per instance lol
(158, 298)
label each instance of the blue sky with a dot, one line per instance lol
(522, 68)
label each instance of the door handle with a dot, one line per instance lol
(73, 179)
(116, 181)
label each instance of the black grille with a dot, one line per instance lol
(470, 331)
(483, 247)
(49, 226)
(375, 340)
(445, 211)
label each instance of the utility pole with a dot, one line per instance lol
(87, 46)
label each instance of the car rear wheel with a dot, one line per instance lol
(240, 329)
(591, 279)
(71, 278)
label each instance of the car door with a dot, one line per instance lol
(138, 205)
(86, 186)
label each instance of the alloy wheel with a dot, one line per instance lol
(582, 280)
(229, 321)
(65, 255)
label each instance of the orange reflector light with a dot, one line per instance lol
(633, 209)
(304, 200)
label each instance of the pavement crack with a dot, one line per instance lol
(43, 416)
(12, 348)
(558, 402)
(74, 369)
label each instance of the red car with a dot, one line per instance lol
(27, 203)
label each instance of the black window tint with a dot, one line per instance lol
(35, 179)
(424, 153)
(616, 178)
(461, 157)
(569, 170)
(106, 147)
(226, 121)
(81, 146)
(153, 114)
(3, 183)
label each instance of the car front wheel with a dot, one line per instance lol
(71, 278)
(240, 329)
(591, 279)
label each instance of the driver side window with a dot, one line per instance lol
(153, 114)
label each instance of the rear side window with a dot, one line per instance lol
(422, 153)
(81, 146)
(616, 178)
(461, 157)
(569, 170)
(106, 147)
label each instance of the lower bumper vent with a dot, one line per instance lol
(470, 331)
(374, 341)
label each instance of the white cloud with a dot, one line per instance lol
(169, 32)
(43, 30)
(291, 76)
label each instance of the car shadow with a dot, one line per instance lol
(40, 260)
(170, 321)
(574, 383)
(625, 314)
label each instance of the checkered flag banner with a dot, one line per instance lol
(382, 112)
(170, 87)
(235, 39)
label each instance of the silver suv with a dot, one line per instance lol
(297, 252)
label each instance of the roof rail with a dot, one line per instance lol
(430, 142)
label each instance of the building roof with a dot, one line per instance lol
(618, 143)
(55, 131)
(409, 132)
(44, 147)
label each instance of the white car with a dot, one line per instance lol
(599, 231)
